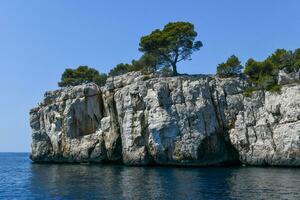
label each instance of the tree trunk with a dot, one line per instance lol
(174, 69)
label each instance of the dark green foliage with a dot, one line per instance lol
(283, 59)
(166, 47)
(297, 54)
(277, 57)
(101, 79)
(261, 74)
(258, 71)
(280, 59)
(297, 65)
(264, 74)
(120, 69)
(83, 74)
(174, 43)
(274, 88)
(252, 69)
(231, 67)
(146, 64)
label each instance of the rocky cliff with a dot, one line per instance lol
(140, 119)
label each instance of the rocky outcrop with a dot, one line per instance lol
(140, 119)
(285, 77)
(267, 130)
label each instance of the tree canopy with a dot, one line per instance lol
(163, 48)
(174, 43)
(83, 74)
(231, 67)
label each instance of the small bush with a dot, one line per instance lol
(83, 74)
(274, 88)
(147, 64)
(264, 74)
(120, 69)
(231, 67)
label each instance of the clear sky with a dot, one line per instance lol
(40, 38)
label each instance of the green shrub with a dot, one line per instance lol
(120, 69)
(261, 74)
(83, 74)
(283, 59)
(146, 64)
(231, 67)
(264, 74)
(258, 71)
(274, 88)
(277, 58)
(297, 65)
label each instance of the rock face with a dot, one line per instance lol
(285, 77)
(267, 131)
(140, 119)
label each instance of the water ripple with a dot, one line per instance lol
(19, 179)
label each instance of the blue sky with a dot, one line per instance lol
(40, 38)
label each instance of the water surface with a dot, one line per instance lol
(20, 179)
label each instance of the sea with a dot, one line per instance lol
(22, 179)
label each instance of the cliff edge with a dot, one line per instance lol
(190, 120)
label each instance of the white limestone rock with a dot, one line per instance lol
(285, 77)
(139, 119)
(267, 132)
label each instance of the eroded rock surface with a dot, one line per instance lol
(267, 131)
(140, 119)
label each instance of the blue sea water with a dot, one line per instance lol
(20, 179)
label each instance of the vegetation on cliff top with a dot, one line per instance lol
(174, 43)
(147, 64)
(262, 74)
(83, 74)
(163, 48)
(231, 67)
